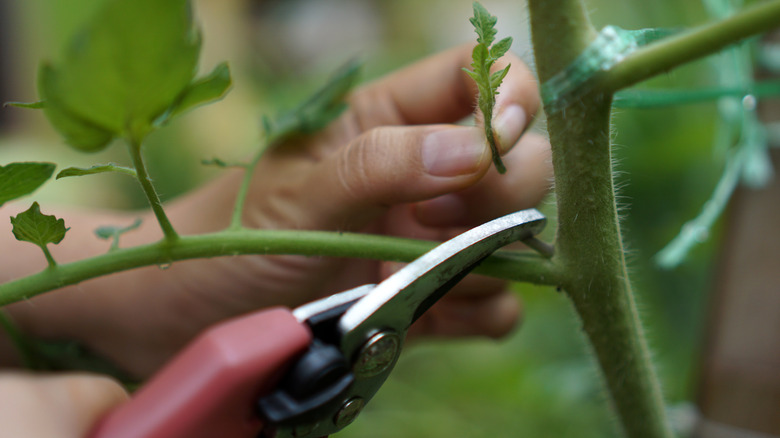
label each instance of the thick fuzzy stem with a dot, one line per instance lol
(590, 253)
(589, 250)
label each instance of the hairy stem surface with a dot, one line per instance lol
(589, 249)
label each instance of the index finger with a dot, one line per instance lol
(437, 90)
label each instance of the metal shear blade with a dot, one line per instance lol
(403, 297)
(368, 324)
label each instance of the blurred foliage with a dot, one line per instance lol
(541, 380)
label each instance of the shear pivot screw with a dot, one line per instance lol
(348, 412)
(378, 353)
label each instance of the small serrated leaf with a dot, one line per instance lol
(115, 232)
(484, 24)
(472, 74)
(498, 77)
(40, 229)
(20, 179)
(483, 57)
(98, 168)
(29, 105)
(479, 57)
(35, 227)
(500, 48)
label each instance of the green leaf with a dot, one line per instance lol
(37, 228)
(500, 48)
(479, 57)
(98, 168)
(131, 63)
(316, 112)
(207, 89)
(20, 179)
(267, 124)
(498, 77)
(484, 24)
(114, 232)
(472, 74)
(29, 105)
(483, 57)
(78, 132)
(221, 163)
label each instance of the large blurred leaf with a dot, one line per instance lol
(130, 64)
(19, 179)
(79, 132)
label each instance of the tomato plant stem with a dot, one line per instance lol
(673, 51)
(589, 250)
(236, 222)
(150, 192)
(510, 265)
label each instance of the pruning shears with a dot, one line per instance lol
(308, 372)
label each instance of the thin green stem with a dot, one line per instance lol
(492, 141)
(236, 222)
(271, 138)
(665, 98)
(673, 51)
(49, 258)
(150, 192)
(510, 265)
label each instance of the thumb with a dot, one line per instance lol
(393, 165)
(65, 406)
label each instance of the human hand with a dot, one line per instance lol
(63, 406)
(390, 165)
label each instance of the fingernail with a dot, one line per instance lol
(509, 125)
(454, 151)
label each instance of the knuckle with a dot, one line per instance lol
(352, 166)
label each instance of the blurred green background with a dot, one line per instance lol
(541, 380)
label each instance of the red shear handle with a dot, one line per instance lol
(209, 390)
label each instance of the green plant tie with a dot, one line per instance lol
(609, 48)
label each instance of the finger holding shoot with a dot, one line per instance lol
(486, 54)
